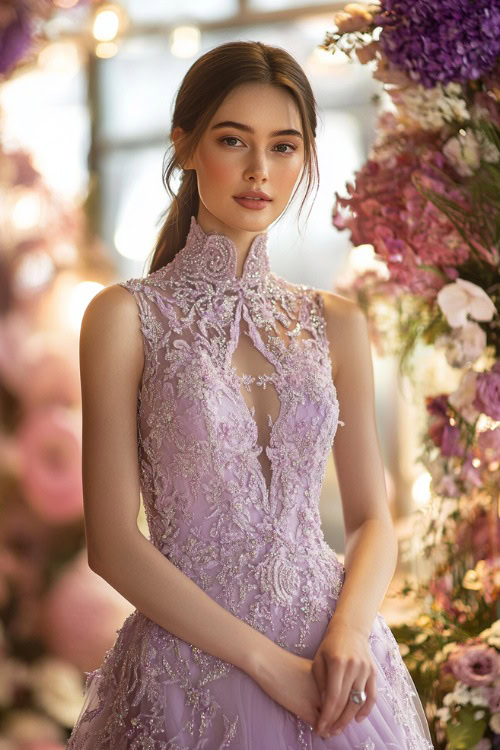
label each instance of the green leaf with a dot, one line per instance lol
(467, 732)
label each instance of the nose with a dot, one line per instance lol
(257, 169)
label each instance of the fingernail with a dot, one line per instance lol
(321, 727)
(337, 731)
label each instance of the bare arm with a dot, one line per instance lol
(111, 364)
(371, 542)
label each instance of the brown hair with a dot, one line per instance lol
(204, 87)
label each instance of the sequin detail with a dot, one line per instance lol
(231, 496)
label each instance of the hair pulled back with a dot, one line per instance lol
(203, 89)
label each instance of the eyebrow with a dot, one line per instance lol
(248, 129)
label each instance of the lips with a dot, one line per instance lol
(254, 195)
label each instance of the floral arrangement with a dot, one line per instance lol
(427, 200)
(57, 617)
(464, 673)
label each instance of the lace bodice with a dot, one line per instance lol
(237, 414)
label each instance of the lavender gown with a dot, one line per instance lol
(255, 546)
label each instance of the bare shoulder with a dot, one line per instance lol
(346, 328)
(110, 331)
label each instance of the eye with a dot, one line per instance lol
(229, 138)
(233, 138)
(288, 145)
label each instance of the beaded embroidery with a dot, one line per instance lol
(248, 533)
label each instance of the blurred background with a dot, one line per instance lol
(86, 96)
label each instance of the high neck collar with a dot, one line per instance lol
(212, 257)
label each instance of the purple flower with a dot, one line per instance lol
(15, 38)
(477, 664)
(438, 41)
(487, 397)
(450, 441)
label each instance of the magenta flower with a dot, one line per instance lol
(386, 210)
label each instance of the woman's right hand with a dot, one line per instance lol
(289, 680)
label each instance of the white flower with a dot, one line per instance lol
(462, 297)
(461, 399)
(444, 714)
(489, 151)
(463, 345)
(421, 637)
(463, 153)
(431, 108)
(495, 723)
(449, 699)
(57, 689)
(478, 715)
(477, 698)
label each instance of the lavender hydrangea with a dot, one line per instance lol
(438, 41)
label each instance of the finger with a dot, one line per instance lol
(337, 675)
(371, 697)
(319, 674)
(350, 708)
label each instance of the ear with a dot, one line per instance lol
(176, 136)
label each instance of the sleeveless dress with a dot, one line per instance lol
(231, 498)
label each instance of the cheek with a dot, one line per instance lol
(286, 171)
(212, 169)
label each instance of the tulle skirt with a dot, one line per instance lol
(154, 691)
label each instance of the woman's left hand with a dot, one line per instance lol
(343, 662)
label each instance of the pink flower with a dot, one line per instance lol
(50, 463)
(477, 664)
(447, 487)
(492, 695)
(80, 614)
(387, 211)
(489, 445)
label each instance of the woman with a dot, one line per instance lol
(218, 375)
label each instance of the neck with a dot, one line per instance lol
(241, 239)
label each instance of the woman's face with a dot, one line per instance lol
(254, 142)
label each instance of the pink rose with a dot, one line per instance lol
(80, 614)
(477, 664)
(50, 463)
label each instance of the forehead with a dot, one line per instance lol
(259, 105)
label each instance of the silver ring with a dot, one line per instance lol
(357, 696)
